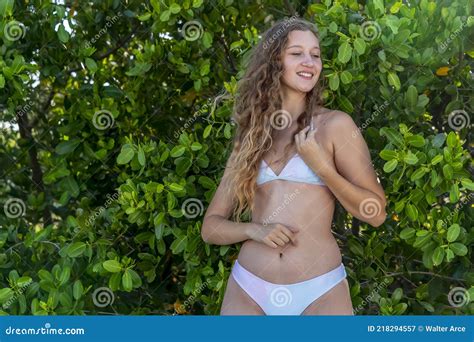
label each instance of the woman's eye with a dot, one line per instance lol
(296, 53)
(316, 56)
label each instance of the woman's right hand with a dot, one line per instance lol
(274, 234)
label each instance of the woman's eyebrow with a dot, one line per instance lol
(314, 47)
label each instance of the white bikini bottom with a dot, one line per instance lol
(286, 299)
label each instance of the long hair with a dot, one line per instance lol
(258, 108)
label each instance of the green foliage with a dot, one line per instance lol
(116, 146)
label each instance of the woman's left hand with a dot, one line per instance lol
(312, 153)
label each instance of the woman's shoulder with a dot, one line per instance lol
(333, 120)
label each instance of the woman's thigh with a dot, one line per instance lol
(237, 302)
(337, 301)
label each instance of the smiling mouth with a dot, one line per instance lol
(305, 75)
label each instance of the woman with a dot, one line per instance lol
(290, 263)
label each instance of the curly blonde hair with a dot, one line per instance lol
(257, 100)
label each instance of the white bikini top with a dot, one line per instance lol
(295, 170)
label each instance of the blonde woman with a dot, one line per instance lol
(291, 159)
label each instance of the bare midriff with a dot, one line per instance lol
(308, 207)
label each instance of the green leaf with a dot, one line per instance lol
(144, 17)
(139, 69)
(418, 174)
(5, 294)
(179, 244)
(334, 81)
(126, 154)
(407, 233)
(207, 40)
(458, 248)
(468, 184)
(127, 282)
(448, 171)
(438, 256)
(77, 289)
(344, 53)
(207, 131)
(197, 3)
(71, 185)
(91, 65)
(397, 295)
(379, 5)
(66, 147)
(346, 77)
(394, 80)
(177, 151)
(410, 158)
(65, 274)
(453, 232)
(411, 212)
(175, 8)
(416, 140)
(112, 266)
(412, 96)
(390, 165)
(449, 255)
(454, 193)
(392, 135)
(165, 15)
(439, 139)
(76, 249)
(359, 45)
(175, 187)
(452, 140)
(436, 159)
(388, 154)
(63, 34)
(141, 156)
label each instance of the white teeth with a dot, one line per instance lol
(305, 74)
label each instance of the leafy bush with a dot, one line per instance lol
(113, 142)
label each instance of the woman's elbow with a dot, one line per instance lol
(379, 219)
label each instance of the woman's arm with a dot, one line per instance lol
(218, 230)
(350, 175)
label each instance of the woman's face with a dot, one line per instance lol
(301, 61)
